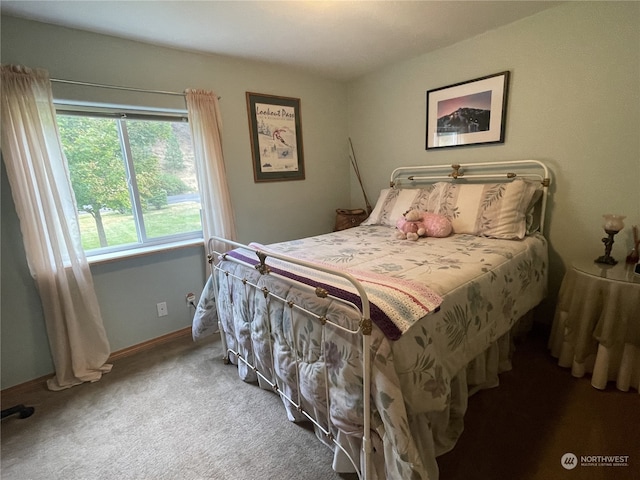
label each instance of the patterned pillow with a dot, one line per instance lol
(496, 210)
(393, 203)
(533, 213)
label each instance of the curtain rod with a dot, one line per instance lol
(116, 87)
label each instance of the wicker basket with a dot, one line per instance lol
(349, 218)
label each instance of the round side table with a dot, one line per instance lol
(596, 327)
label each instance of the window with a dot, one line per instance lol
(133, 177)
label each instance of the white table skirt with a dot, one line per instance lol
(596, 329)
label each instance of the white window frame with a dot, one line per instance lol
(121, 114)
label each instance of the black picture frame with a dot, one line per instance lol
(468, 113)
(275, 127)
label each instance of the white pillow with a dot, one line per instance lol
(496, 210)
(393, 203)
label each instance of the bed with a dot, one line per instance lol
(379, 341)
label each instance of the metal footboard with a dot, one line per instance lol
(362, 467)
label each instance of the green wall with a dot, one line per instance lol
(128, 290)
(574, 101)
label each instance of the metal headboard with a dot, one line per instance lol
(482, 172)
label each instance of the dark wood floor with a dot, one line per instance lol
(521, 429)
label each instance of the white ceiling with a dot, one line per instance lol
(336, 39)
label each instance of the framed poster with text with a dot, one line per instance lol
(276, 137)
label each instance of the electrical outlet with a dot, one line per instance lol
(190, 297)
(162, 309)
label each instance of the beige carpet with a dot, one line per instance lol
(161, 415)
(165, 414)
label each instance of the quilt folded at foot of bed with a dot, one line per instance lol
(395, 303)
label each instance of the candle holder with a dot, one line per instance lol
(612, 225)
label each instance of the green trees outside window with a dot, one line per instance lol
(134, 180)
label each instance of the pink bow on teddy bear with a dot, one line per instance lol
(415, 224)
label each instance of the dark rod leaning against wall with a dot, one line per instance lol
(354, 162)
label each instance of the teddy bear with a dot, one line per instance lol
(415, 224)
(410, 225)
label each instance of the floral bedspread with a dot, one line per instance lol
(395, 304)
(486, 286)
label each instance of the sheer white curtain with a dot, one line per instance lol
(45, 204)
(206, 132)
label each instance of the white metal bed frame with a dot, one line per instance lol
(533, 170)
(400, 177)
(364, 328)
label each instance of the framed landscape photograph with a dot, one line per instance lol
(468, 113)
(276, 137)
